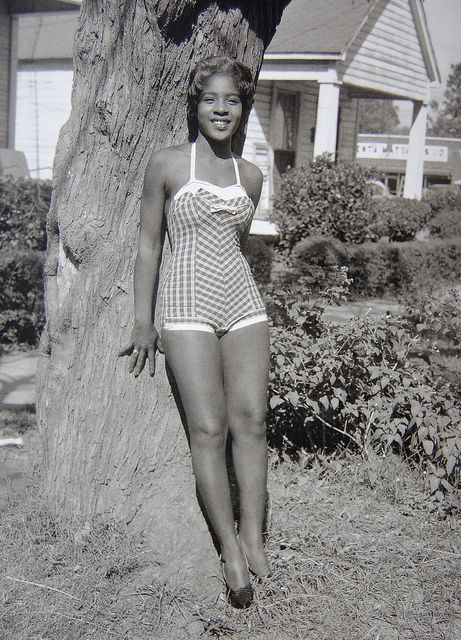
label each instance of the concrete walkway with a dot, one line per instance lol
(17, 379)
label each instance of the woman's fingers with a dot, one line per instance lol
(151, 356)
(159, 344)
(137, 361)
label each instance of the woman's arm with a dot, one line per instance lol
(252, 180)
(144, 337)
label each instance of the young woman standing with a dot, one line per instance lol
(214, 330)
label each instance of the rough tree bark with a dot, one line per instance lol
(114, 447)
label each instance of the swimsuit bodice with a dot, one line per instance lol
(209, 278)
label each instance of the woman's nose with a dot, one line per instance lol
(220, 108)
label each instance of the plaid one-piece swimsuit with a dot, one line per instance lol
(209, 285)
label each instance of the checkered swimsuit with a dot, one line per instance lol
(209, 280)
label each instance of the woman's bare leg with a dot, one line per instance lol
(195, 359)
(245, 357)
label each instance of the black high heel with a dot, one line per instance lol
(240, 598)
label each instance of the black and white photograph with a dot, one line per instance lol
(230, 319)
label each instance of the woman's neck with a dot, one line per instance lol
(220, 149)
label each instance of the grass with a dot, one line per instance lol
(356, 550)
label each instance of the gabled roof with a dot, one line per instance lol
(319, 26)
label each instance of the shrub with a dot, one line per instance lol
(21, 296)
(374, 269)
(398, 219)
(390, 268)
(443, 199)
(446, 223)
(259, 256)
(360, 384)
(323, 199)
(23, 207)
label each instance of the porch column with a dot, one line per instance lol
(326, 128)
(416, 147)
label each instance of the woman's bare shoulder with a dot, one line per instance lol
(167, 162)
(251, 177)
(249, 171)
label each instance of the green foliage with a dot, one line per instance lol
(448, 120)
(21, 296)
(378, 268)
(324, 199)
(443, 199)
(360, 384)
(24, 204)
(259, 256)
(374, 269)
(399, 267)
(398, 219)
(378, 116)
(446, 224)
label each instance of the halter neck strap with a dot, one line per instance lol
(193, 157)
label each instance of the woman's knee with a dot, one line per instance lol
(248, 420)
(209, 434)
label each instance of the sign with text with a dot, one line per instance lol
(399, 151)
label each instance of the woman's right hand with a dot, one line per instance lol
(144, 342)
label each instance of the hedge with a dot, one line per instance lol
(21, 296)
(380, 268)
(397, 219)
(394, 267)
(24, 204)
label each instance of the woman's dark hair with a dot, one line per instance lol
(219, 65)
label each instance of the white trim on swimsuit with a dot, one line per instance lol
(203, 326)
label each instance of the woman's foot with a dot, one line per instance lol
(256, 558)
(235, 575)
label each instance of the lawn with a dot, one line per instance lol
(357, 549)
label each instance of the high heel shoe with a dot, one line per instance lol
(240, 598)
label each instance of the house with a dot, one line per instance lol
(324, 57)
(12, 161)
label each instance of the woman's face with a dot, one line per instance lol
(219, 108)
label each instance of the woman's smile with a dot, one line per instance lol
(219, 108)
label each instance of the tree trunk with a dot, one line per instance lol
(114, 447)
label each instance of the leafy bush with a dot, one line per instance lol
(323, 199)
(443, 199)
(24, 204)
(259, 256)
(360, 384)
(398, 219)
(446, 223)
(392, 268)
(21, 296)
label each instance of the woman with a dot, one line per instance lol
(214, 329)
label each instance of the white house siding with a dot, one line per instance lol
(348, 126)
(4, 72)
(386, 55)
(309, 93)
(257, 144)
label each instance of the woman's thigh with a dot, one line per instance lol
(195, 360)
(245, 362)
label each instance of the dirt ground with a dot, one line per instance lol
(357, 550)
